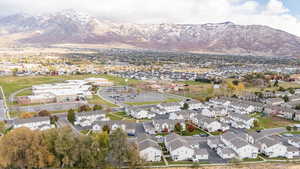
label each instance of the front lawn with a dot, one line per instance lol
(168, 100)
(188, 133)
(274, 122)
(97, 100)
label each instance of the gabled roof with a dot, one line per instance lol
(31, 120)
(269, 142)
(90, 113)
(239, 143)
(146, 144)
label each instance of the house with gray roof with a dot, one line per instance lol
(34, 123)
(226, 153)
(128, 127)
(149, 149)
(271, 147)
(87, 118)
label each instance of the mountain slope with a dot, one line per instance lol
(73, 27)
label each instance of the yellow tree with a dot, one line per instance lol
(23, 148)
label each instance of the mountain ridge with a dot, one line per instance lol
(70, 26)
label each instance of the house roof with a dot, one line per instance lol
(31, 120)
(170, 104)
(239, 143)
(227, 151)
(177, 144)
(89, 113)
(146, 144)
(229, 136)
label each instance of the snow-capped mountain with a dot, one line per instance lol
(70, 26)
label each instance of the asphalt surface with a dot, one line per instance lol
(119, 97)
(3, 111)
(49, 107)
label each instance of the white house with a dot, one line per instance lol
(87, 118)
(193, 104)
(170, 107)
(34, 123)
(149, 149)
(113, 125)
(162, 125)
(272, 148)
(292, 152)
(179, 151)
(200, 154)
(210, 125)
(239, 146)
(214, 142)
(139, 113)
(295, 141)
(226, 153)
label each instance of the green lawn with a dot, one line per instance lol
(113, 117)
(195, 132)
(274, 122)
(215, 133)
(168, 100)
(187, 162)
(97, 100)
(292, 132)
(252, 159)
(12, 84)
(25, 93)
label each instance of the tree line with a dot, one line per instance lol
(23, 148)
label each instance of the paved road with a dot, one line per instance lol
(63, 122)
(49, 107)
(11, 98)
(4, 113)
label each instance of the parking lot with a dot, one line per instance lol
(49, 107)
(124, 94)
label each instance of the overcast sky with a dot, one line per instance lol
(281, 14)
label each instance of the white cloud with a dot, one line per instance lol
(274, 14)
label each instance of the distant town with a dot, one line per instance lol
(182, 110)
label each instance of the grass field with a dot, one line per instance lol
(168, 100)
(25, 93)
(97, 100)
(195, 132)
(273, 122)
(12, 84)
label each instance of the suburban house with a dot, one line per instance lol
(295, 141)
(271, 147)
(170, 107)
(214, 142)
(167, 125)
(34, 123)
(115, 124)
(149, 149)
(274, 101)
(247, 121)
(210, 125)
(226, 153)
(240, 146)
(179, 149)
(193, 104)
(139, 113)
(87, 118)
(200, 154)
(182, 115)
